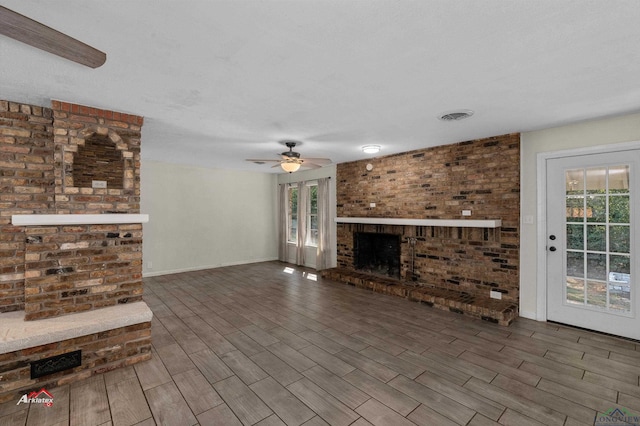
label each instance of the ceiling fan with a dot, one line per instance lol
(292, 161)
(33, 33)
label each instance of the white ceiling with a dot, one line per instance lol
(222, 81)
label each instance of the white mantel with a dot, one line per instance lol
(76, 219)
(454, 223)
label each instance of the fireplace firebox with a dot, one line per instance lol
(377, 253)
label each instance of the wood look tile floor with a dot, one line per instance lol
(272, 344)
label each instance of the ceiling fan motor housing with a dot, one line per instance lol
(291, 153)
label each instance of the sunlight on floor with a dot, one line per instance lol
(307, 275)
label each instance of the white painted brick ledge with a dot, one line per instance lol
(454, 223)
(16, 333)
(76, 219)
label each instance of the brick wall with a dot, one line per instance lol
(438, 183)
(48, 160)
(80, 268)
(39, 147)
(26, 187)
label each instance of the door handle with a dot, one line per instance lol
(552, 248)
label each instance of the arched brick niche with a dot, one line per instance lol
(98, 160)
(94, 147)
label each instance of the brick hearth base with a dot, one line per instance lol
(109, 338)
(498, 311)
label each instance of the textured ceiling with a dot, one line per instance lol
(222, 81)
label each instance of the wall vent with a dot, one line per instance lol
(54, 364)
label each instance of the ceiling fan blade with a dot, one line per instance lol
(33, 33)
(321, 161)
(260, 160)
(310, 165)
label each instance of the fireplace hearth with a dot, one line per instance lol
(377, 253)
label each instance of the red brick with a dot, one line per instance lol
(439, 182)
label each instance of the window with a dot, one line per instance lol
(312, 215)
(292, 233)
(312, 220)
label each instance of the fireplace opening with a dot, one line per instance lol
(377, 253)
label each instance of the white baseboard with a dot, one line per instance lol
(203, 267)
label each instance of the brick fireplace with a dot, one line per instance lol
(458, 262)
(71, 245)
(377, 253)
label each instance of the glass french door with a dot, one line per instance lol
(592, 220)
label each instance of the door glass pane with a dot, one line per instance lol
(597, 293)
(596, 208)
(620, 298)
(597, 266)
(620, 283)
(597, 180)
(619, 238)
(619, 209)
(575, 208)
(575, 290)
(620, 264)
(619, 179)
(598, 238)
(575, 264)
(575, 181)
(575, 237)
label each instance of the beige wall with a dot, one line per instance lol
(205, 218)
(581, 135)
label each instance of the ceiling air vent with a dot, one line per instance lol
(457, 115)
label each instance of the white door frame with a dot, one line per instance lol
(541, 226)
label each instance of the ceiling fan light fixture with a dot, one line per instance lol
(457, 115)
(290, 166)
(371, 149)
(291, 161)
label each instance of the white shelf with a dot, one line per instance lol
(453, 223)
(76, 219)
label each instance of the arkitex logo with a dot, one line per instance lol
(37, 397)
(617, 416)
